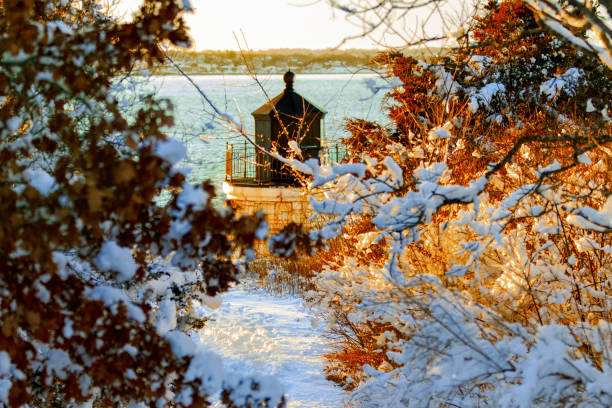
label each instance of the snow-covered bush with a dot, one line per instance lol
(571, 19)
(81, 230)
(491, 194)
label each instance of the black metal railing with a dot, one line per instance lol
(334, 153)
(245, 165)
(240, 163)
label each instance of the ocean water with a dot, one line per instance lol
(197, 124)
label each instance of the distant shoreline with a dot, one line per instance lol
(359, 72)
(275, 62)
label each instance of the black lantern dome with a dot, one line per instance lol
(288, 102)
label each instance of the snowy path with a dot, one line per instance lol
(257, 332)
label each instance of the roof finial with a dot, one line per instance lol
(288, 78)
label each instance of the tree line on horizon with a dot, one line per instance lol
(278, 60)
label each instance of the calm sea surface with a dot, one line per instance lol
(340, 96)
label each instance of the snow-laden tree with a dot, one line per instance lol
(86, 316)
(572, 19)
(404, 22)
(587, 24)
(491, 194)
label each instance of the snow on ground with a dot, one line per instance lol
(267, 334)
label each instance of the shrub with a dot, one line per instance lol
(81, 226)
(491, 190)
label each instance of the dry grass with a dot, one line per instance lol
(283, 276)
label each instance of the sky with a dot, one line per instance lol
(268, 24)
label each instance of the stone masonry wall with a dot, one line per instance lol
(281, 205)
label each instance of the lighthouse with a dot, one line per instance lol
(256, 181)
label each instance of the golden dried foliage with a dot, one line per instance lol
(548, 270)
